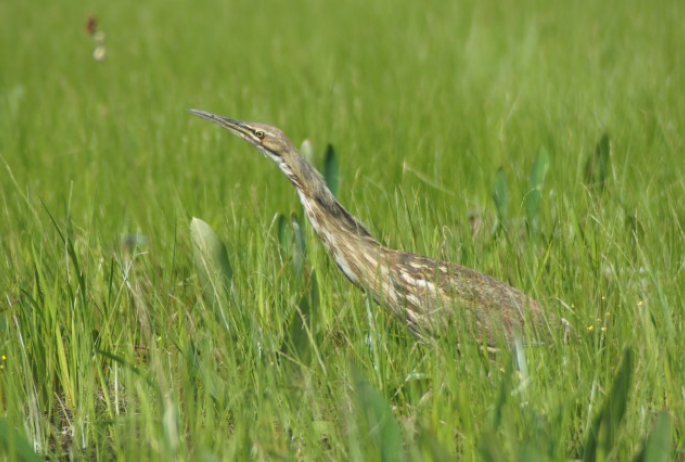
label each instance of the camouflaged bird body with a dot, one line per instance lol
(439, 295)
(432, 296)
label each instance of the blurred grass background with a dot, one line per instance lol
(109, 350)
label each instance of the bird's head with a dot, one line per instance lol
(271, 141)
(276, 146)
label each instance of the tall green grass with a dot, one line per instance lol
(111, 351)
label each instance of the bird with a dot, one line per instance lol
(432, 297)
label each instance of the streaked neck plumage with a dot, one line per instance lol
(341, 233)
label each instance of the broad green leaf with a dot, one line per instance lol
(298, 338)
(529, 452)
(605, 426)
(299, 250)
(603, 152)
(598, 165)
(64, 372)
(535, 183)
(313, 294)
(211, 264)
(199, 373)
(490, 447)
(489, 444)
(501, 196)
(285, 237)
(430, 449)
(657, 446)
(307, 150)
(332, 170)
(502, 396)
(383, 426)
(14, 446)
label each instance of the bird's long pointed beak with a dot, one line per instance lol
(235, 126)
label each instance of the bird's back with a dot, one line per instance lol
(439, 295)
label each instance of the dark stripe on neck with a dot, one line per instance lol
(334, 210)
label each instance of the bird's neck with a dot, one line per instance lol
(348, 241)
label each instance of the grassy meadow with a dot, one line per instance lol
(539, 142)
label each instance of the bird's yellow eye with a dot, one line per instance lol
(259, 134)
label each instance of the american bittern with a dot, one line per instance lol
(430, 295)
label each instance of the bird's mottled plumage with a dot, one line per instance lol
(429, 295)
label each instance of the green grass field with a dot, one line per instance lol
(110, 351)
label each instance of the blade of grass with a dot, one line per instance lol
(332, 170)
(14, 446)
(604, 429)
(383, 426)
(657, 446)
(500, 196)
(537, 178)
